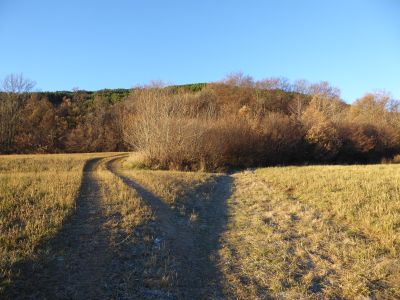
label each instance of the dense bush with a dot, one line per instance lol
(229, 125)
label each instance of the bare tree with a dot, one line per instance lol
(297, 106)
(301, 86)
(17, 84)
(323, 88)
(13, 94)
(239, 79)
(274, 83)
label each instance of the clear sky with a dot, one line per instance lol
(353, 44)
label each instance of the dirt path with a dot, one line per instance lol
(81, 261)
(193, 248)
(82, 245)
(77, 264)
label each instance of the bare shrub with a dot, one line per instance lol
(239, 79)
(163, 129)
(326, 140)
(183, 131)
(371, 128)
(231, 142)
(396, 159)
(233, 124)
(282, 139)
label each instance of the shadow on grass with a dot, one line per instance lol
(82, 261)
(72, 263)
(192, 246)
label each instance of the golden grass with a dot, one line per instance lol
(130, 223)
(120, 199)
(45, 162)
(171, 186)
(189, 218)
(365, 198)
(314, 232)
(179, 191)
(37, 192)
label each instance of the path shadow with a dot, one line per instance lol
(65, 266)
(192, 246)
(80, 263)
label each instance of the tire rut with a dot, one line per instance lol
(194, 249)
(74, 264)
(80, 262)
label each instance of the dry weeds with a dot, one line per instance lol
(292, 232)
(37, 192)
(314, 232)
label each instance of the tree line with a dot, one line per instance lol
(237, 122)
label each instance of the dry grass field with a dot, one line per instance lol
(189, 214)
(314, 232)
(97, 226)
(37, 192)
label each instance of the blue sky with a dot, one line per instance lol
(353, 44)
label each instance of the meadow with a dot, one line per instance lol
(99, 225)
(37, 192)
(315, 231)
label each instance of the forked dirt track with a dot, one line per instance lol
(80, 263)
(193, 247)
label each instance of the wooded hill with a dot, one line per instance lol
(233, 123)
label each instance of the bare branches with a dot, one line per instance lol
(14, 87)
(17, 83)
